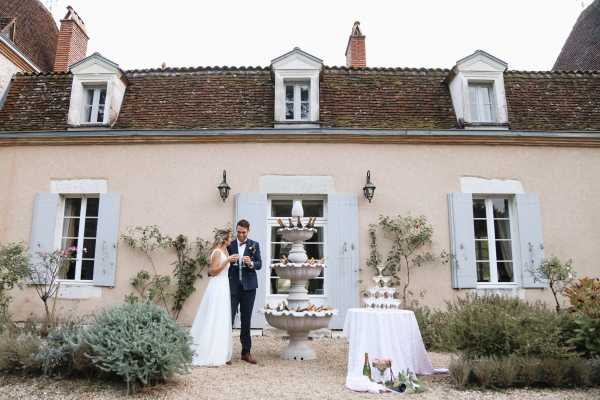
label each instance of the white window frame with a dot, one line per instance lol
(95, 103)
(478, 109)
(492, 242)
(297, 99)
(319, 222)
(80, 234)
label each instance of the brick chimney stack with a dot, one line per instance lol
(356, 52)
(72, 41)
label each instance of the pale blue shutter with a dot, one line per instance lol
(462, 240)
(107, 237)
(342, 255)
(43, 229)
(529, 222)
(254, 208)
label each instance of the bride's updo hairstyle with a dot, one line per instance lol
(221, 236)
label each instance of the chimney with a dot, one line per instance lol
(356, 52)
(72, 41)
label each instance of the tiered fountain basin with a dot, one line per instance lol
(297, 316)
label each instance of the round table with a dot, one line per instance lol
(388, 333)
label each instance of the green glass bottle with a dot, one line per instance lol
(367, 367)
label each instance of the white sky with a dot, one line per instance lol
(527, 34)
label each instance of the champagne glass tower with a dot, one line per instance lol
(299, 317)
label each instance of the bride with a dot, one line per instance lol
(211, 331)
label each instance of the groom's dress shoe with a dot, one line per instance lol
(228, 362)
(248, 358)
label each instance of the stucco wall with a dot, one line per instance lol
(174, 186)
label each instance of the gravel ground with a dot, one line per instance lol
(272, 379)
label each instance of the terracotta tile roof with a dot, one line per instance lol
(242, 97)
(553, 100)
(37, 102)
(581, 51)
(36, 32)
(197, 98)
(385, 98)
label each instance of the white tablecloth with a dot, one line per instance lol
(388, 333)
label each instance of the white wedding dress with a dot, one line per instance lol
(211, 330)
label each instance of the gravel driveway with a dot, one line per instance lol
(272, 379)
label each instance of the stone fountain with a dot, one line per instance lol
(298, 317)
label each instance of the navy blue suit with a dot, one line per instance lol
(243, 292)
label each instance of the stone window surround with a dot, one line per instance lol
(76, 290)
(490, 187)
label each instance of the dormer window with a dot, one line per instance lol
(297, 101)
(482, 104)
(477, 88)
(296, 76)
(96, 93)
(95, 104)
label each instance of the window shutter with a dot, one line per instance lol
(107, 237)
(462, 240)
(529, 222)
(254, 207)
(342, 260)
(43, 228)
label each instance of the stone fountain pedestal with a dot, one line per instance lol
(299, 318)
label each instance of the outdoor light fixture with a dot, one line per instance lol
(369, 189)
(224, 188)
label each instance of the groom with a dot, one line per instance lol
(243, 283)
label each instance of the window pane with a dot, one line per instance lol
(473, 100)
(91, 209)
(304, 93)
(88, 114)
(279, 250)
(483, 272)
(70, 227)
(481, 250)
(89, 248)
(87, 270)
(100, 114)
(315, 286)
(312, 208)
(502, 229)
(69, 271)
(314, 251)
(505, 272)
(480, 229)
(102, 96)
(500, 208)
(280, 286)
(289, 110)
(275, 237)
(503, 250)
(304, 110)
(289, 93)
(281, 208)
(89, 230)
(89, 97)
(317, 237)
(72, 207)
(478, 208)
(66, 243)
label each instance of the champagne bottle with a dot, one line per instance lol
(291, 223)
(311, 222)
(299, 223)
(280, 222)
(367, 367)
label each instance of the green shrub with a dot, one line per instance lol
(17, 353)
(586, 335)
(63, 351)
(139, 343)
(514, 372)
(433, 326)
(495, 326)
